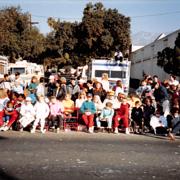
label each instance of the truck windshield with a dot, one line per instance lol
(111, 74)
(21, 70)
(118, 74)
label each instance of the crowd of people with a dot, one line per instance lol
(153, 107)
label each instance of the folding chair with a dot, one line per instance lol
(70, 121)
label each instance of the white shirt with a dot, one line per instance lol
(105, 85)
(41, 109)
(79, 102)
(27, 110)
(40, 89)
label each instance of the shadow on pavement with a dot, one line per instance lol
(3, 138)
(5, 176)
(156, 136)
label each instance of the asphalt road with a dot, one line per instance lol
(79, 155)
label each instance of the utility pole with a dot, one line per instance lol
(31, 23)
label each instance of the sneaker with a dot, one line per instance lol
(43, 131)
(32, 131)
(127, 131)
(2, 128)
(109, 130)
(5, 128)
(91, 130)
(116, 131)
(58, 130)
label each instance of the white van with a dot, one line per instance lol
(115, 70)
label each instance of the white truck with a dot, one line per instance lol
(3, 66)
(115, 70)
(26, 69)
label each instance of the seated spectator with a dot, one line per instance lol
(118, 88)
(33, 84)
(73, 89)
(143, 89)
(81, 98)
(17, 87)
(137, 117)
(98, 106)
(27, 113)
(68, 105)
(105, 82)
(107, 116)
(89, 86)
(173, 81)
(5, 83)
(88, 110)
(51, 86)
(55, 119)
(10, 116)
(41, 113)
(162, 97)
(110, 98)
(148, 110)
(40, 89)
(61, 89)
(174, 124)
(3, 101)
(122, 114)
(159, 123)
(98, 90)
(118, 56)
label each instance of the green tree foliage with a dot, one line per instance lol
(101, 32)
(169, 59)
(17, 37)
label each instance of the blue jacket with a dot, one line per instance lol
(88, 106)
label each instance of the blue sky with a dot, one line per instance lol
(165, 13)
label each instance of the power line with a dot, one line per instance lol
(138, 16)
(157, 14)
(46, 17)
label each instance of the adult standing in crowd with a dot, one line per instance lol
(73, 89)
(98, 90)
(5, 83)
(61, 89)
(105, 82)
(162, 97)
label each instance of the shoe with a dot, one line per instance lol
(109, 130)
(43, 131)
(127, 131)
(2, 128)
(58, 130)
(91, 130)
(116, 131)
(32, 131)
(21, 129)
(5, 128)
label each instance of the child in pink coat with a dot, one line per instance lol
(56, 114)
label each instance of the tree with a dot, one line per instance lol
(101, 32)
(169, 59)
(17, 37)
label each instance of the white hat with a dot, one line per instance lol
(81, 81)
(28, 99)
(51, 77)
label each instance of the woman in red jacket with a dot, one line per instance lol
(122, 114)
